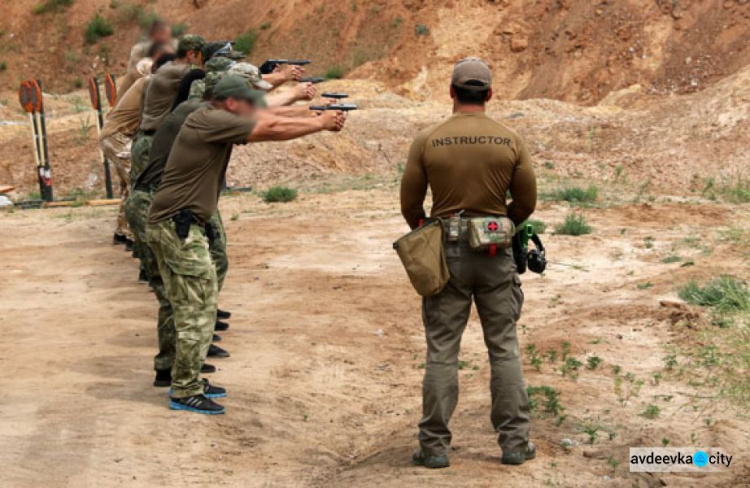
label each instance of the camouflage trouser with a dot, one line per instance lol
(137, 212)
(191, 285)
(139, 154)
(494, 286)
(116, 149)
(138, 161)
(219, 250)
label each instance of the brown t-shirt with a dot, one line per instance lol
(469, 162)
(162, 90)
(125, 118)
(198, 162)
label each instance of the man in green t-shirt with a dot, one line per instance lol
(187, 197)
(160, 94)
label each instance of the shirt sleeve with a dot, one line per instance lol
(522, 187)
(414, 184)
(227, 128)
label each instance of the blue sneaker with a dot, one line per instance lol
(197, 404)
(210, 391)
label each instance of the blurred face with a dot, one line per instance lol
(195, 57)
(165, 49)
(243, 108)
(162, 35)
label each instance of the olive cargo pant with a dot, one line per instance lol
(116, 149)
(493, 284)
(136, 209)
(190, 282)
(137, 212)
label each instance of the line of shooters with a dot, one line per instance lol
(183, 106)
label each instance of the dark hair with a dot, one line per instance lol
(163, 59)
(156, 26)
(471, 96)
(154, 48)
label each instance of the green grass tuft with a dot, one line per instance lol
(725, 294)
(422, 30)
(246, 42)
(279, 194)
(97, 28)
(577, 194)
(334, 73)
(52, 6)
(574, 225)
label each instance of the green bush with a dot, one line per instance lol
(578, 195)
(574, 225)
(279, 194)
(179, 30)
(725, 294)
(97, 28)
(246, 42)
(3, 66)
(334, 73)
(52, 6)
(422, 30)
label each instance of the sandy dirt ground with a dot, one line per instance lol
(327, 347)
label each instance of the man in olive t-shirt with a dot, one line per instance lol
(187, 197)
(470, 162)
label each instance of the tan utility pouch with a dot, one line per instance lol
(421, 253)
(485, 232)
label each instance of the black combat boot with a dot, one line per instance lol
(438, 461)
(217, 352)
(518, 457)
(163, 378)
(216, 338)
(220, 326)
(208, 368)
(142, 277)
(197, 404)
(119, 239)
(223, 314)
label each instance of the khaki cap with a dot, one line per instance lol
(472, 73)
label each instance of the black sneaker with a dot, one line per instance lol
(210, 391)
(216, 338)
(119, 239)
(217, 352)
(519, 457)
(223, 314)
(143, 277)
(221, 326)
(438, 461)
(163, 378)
(197, 404)
(208, 368)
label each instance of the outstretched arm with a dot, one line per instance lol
(272, 127)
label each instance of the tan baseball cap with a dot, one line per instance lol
(472, 73)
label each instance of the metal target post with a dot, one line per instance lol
(96, 103)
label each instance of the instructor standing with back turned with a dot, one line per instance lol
(471, 162)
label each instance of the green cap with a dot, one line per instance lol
(217, 65)
(190, 42)
(233, 86)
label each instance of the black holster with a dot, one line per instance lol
(519, 254)
(182, 222)
(212, 232)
